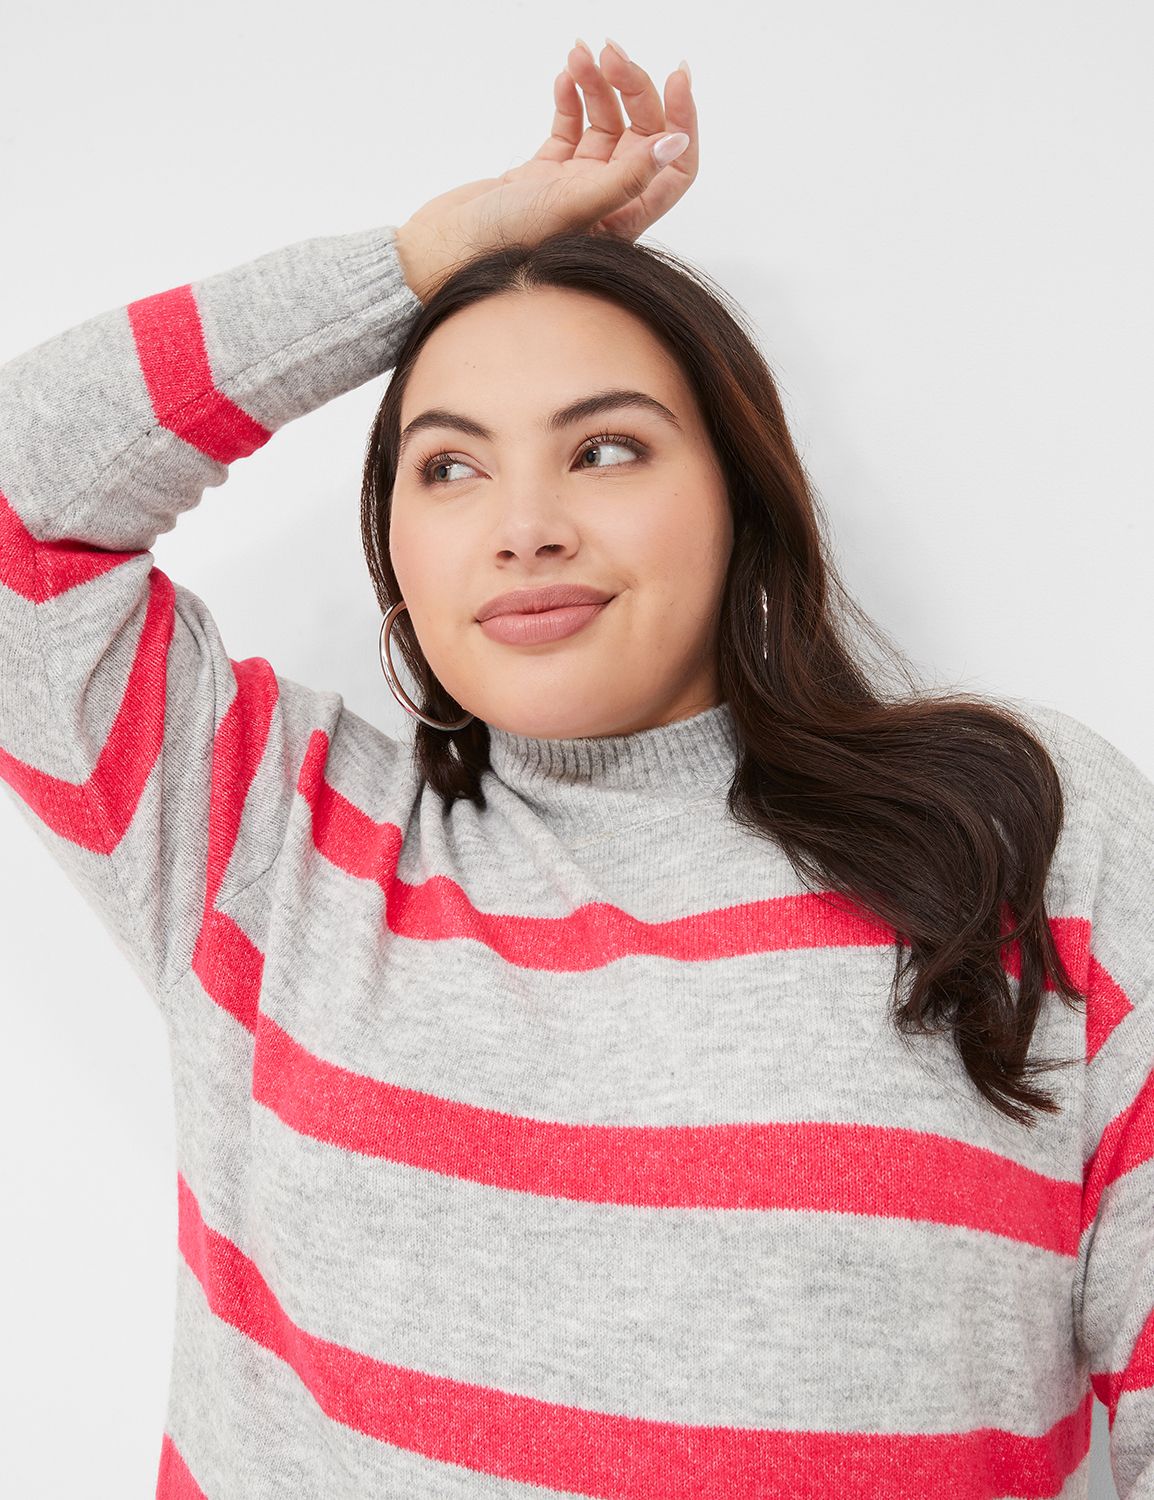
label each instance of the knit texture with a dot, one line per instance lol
(567, 1147)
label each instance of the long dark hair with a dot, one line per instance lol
(938, 814)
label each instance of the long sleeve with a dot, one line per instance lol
(158, 771)
(1114, 1303)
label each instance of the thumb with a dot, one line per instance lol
(639, 169)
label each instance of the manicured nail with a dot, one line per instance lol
(618, 48)
(670, 147)
(684, 66)
(585, 47)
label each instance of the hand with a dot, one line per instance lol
(603, 180)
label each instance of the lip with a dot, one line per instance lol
(522, 628)
(533, 601)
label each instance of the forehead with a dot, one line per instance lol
(536, 349)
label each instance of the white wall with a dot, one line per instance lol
(938, 218)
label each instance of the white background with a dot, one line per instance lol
(938, 218)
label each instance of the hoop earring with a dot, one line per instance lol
(394, 681)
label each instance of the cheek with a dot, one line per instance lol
(420, 554)
(686, 535)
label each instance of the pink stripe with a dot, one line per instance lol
(597, 933)
(39, 571)
(174, 361)
(1107, 1007)
(229, 966)
(174, 1480)
(872, 1171)
(1111, 1386)
(529, 1441)
(238, 748)
(1126, 1142)
(96, 813)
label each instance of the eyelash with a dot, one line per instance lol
(423, 465)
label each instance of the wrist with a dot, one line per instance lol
(409, 257)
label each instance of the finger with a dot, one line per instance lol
(670, 184)
(674, 181)
(568, 121)
(602, 191)
(681, 114)
(606, 122)
(638, 92)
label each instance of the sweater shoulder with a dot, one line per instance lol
(1094, 770)
(1107, 836)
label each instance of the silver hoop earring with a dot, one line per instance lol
(394, 681)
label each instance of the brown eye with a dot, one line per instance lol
(609, 440)
(427, 467)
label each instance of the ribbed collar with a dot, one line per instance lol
(594, 781)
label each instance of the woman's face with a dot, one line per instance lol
(643, 517)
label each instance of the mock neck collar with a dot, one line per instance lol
(595, 781)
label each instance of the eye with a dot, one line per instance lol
(426, 467)
(608, 440)
(438, 461)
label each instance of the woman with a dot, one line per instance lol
(549, 1119)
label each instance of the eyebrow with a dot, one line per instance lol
(576, 411)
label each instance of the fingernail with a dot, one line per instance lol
(684, 66)
(617, 47)
(670, 147)
(585, 47)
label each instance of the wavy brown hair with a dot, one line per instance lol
(937, 814)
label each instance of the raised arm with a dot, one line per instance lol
(151, 764)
